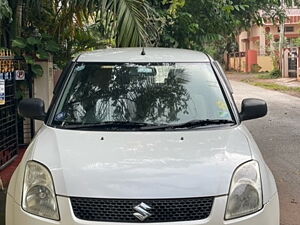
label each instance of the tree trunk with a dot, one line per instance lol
(17, 20)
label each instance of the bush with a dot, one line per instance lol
(275, 73)
(255, 68)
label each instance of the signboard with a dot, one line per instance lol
(6, 76)
(2, 92)
(20, 75)
(7, 65)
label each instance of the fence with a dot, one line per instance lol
(12, 132)
(249, 61)
(8, 116)
(237, 61)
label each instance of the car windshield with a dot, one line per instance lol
(135, 95)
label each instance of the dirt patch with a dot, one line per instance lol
(240, 76)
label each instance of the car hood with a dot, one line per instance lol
(141, 164)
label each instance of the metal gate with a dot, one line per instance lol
(8, 116)
(292, 62)
(12, 129)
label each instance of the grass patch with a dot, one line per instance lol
(242, 73)
(274, 74)
(272, 86)
(264, 76)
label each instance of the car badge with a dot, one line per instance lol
(141, 211)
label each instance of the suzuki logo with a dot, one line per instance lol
(141, 211)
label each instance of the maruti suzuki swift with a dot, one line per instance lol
(142, 136)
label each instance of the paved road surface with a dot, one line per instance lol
(278, 136)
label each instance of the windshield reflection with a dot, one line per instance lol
(153, 93)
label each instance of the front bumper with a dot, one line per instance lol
(269, 215)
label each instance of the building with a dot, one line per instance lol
(258, 45)
(262, 38)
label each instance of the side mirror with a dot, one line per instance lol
(33, 108)
(253, 108)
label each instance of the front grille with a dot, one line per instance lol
(122, 210)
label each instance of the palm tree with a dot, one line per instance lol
(128, 22)
(5, 15)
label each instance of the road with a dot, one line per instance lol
(278, 137)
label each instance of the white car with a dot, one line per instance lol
(142, 136)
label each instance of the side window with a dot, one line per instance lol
(223, 75)
(62, 77)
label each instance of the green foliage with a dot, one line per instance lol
(79, 25)
(5, 17)
(19, 43)
(273, 51)
(5, 10)
(273, 86)
(37, 69)
(35, 48)
(174, 5)
(263, 75)
(212, 26)
(255, 68)
(209, 26)
(275, 73)
(33, 41)
(133, 27)
(200, 22)
(296, 42)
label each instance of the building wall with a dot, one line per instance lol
(255, 31)
(243, 39)
(255, 44)
(243, 64)
(262, 39)
(43, 86)
(238, 64)
(266, 63)
(256, 38)
(250, 39)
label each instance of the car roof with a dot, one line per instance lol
(120, 55)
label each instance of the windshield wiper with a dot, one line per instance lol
(107, 124)
(189, 124)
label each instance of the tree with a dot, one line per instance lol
(212, 26)
(74, 24)
(5, 16)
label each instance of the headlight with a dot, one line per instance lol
(245, 195)
(38, 192)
